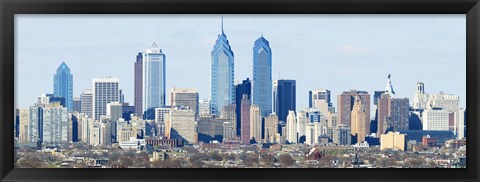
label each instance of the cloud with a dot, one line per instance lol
(354, 50)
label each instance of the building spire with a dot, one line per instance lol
(222, 25)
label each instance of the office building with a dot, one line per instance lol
(262, 76)
(77, 104)
(55, 124)
(358, 122)
(383, 113)
(209, 129)
(284, 98)
(291, 127)
(181, 125)
(393, 140)
(245, 122)
(255, 123)
(222, 74)
(63, 85)
(154, 80)
(320, 99)
(204, 107)
(105, 90)
(161, 115)
(138, 85)
(341, 135)
(399, 114)
(271, 129)
(114, 110)
(187, 97)
(240, 89)
(86, 101)
(346, 101)
(435, 119)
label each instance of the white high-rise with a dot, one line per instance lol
(55, 124)
(435, 120)
(255, 123)
(154, 74)
(291, 127)
(105, 90)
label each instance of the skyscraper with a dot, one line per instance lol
(153, 78)
(138, 85)
(63, 85)
(262, 76)
(358, 120)
(240, 90)
(55, 124)
(185, 97)
(420, 98)
(383, 113)
(291, 127)
(105, 90)
(399, 114)
(284, 93)
(345, 104)
(255, 123)
(222, 74)
(245, 123)
(86, 100)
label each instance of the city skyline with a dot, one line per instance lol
(244, 63)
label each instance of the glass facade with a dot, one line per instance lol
(153, 78)
(262, 76)
(284, 98)
(63, 85)
(222, 75)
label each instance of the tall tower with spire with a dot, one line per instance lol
(222, 90)
(262, 76)
(63, 85)
(154, 80)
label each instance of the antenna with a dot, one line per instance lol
(222, 24)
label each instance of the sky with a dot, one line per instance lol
(335, 52)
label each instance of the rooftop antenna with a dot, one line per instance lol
(222, 24)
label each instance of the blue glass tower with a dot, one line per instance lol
(154, 78)
(222, 91)
(63, 85)
(262, 76)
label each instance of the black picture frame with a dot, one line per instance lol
(8, 8)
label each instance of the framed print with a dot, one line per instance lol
(239, 91)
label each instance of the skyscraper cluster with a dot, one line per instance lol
(257, 110)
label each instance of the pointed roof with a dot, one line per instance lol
(154, 48)
(63, 66)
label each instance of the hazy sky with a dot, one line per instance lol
(336, 52)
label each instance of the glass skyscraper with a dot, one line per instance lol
(153, 78)
(222, 88)
(63, 85)
(262, 76)
(284, 93)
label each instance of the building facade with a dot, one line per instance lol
(138, 85)
(86, 100)
(255, 123)
(63, 85)
(346, 101)
(262, 76)
(240, 89)
(284, 98)
(105, 90)
(222, 74)
(185, 97)
(154, 78)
